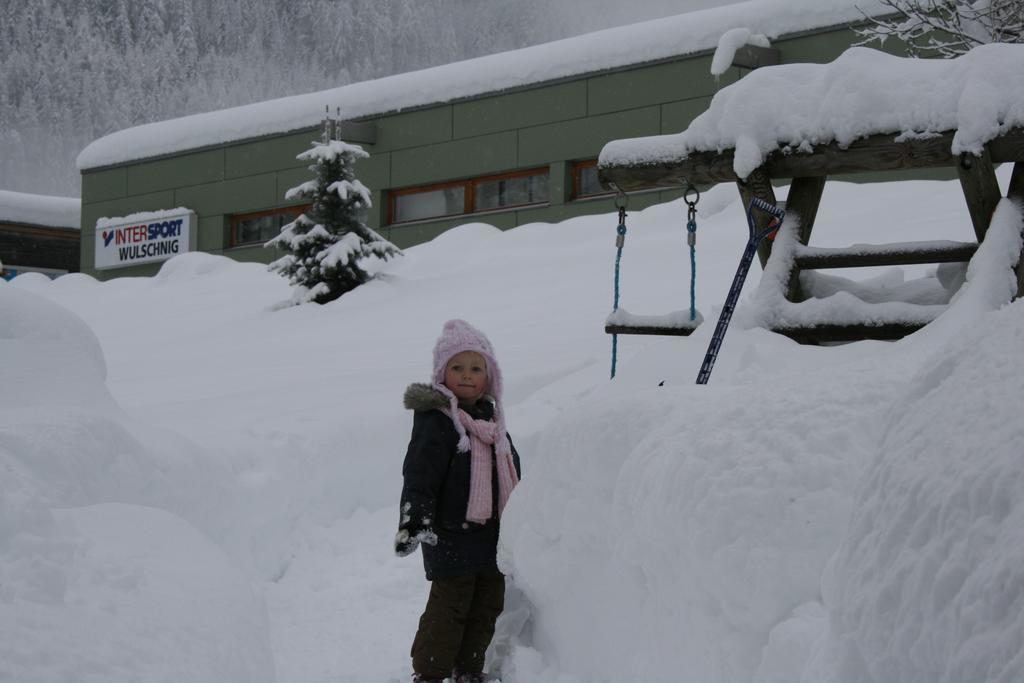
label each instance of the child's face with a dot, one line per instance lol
(465, 375)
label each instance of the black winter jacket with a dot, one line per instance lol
(435, 492)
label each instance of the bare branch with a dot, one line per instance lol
(946, 28)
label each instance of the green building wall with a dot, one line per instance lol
(549, 124)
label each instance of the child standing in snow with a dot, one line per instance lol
(459, 471)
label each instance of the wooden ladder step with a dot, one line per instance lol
(905, 253)
(847, 333)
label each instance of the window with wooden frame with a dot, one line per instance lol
(259, 226)
(473, 195)
(584, 180)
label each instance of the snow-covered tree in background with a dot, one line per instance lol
(325, 245)
(948, 28)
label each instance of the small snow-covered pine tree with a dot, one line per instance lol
(324, 246)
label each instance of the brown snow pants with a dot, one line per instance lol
(458, 624)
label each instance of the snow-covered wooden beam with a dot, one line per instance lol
(802, 204)
(870, 154)
(903, 253)
(981, 189)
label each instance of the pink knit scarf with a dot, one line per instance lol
(482, 435)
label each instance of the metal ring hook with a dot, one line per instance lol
(692, 203)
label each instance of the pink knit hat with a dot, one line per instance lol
(458, 336)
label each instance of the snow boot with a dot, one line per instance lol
(466, 677)
(420, 678)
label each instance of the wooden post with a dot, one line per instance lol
(758, 184)
(1016, 193)
(802, 203)
(981, 189)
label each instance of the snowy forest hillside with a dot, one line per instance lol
(74, 70)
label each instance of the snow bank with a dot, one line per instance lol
(928, 585)
(66, 442)
(40, 209)
(860, 93)
(694, 525)
(990, 280)
(672, 533)
(89, 590)
(685, 520)
(41, 339)
(127, 593)
(609, 49)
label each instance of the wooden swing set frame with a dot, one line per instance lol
(808, 173)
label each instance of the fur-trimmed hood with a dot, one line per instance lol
(422, 396)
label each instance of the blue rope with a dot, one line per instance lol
(691, 238)
(621, 230)
(620, 241)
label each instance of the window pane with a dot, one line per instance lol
(258, 229)
(539, 188)
(488, 195)
(419, 205)
(280, 220)
(494, 194)
(587, 183)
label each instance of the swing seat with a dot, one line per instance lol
(676, 323)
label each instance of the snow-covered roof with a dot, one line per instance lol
(40, 209)
(794, 107)
(613, 48)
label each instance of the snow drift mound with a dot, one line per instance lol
(651, 522)
(91, 591)
(40, 340)
(929, 583)
(130, 593)
(64, 441)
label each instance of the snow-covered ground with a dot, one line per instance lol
(200, 486)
